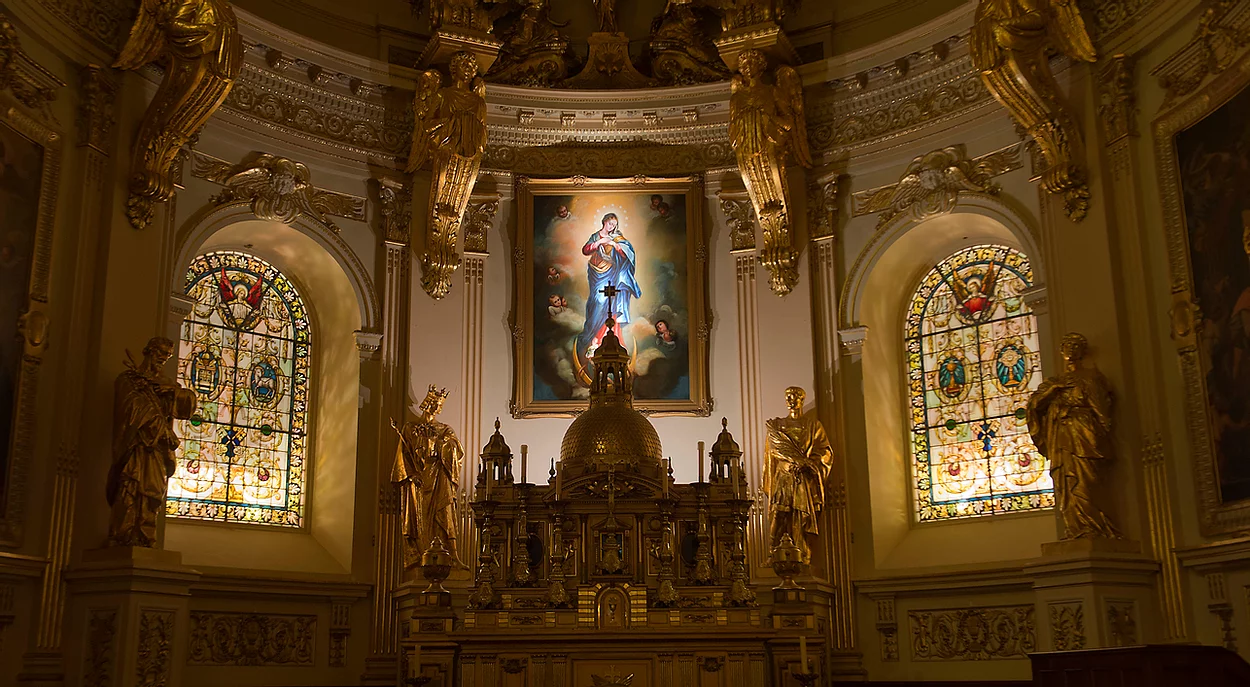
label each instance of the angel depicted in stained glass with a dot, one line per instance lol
(975, 293)
(240, 304)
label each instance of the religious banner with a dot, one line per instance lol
(600, 249)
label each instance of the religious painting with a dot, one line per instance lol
(1213, 157)
(610, 253)
(28, 177)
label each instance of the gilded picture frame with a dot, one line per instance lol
(1217, 514)
(654, 231)
(33, 311)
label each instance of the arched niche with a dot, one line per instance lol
(878, 292)
(338, 303)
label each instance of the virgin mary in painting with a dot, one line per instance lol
(611, 262)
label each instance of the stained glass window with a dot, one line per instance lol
(245, 352)
(972, 361)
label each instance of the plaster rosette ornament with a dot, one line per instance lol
(767, 129)
(198, 44)
(450, 134)
(1011, 45)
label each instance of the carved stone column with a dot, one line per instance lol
(477, 224)
(1117, 119)
(822, 223)
(95, 128)
(740, 217)
(394, 204)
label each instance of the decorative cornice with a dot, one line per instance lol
(101, 22)
(609, 160)
(932, 182)
(279, 189)
(1110, 17)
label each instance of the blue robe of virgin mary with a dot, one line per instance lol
(613, 265)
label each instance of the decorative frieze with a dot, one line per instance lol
(100, 657)
(249, 639)
(102, 22)
(1067, 626)
(155, 648)
(973, 634)
(608, 161)
(1110, 17)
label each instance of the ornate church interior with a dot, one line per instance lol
(624, 343)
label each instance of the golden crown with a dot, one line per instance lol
(436, 392)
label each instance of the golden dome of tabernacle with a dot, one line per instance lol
(610, 431)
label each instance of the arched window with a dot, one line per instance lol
(972, 361)
(245, 351)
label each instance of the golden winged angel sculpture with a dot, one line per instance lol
(1010, 46)
(450, 133)
(198, 41)
(767, 126)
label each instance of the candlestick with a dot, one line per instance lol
(525, 451)
(803, 652)
(700, 462)
(668, 462)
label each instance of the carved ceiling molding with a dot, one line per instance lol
(279, 189)
(320, 116)
(1110, 17)
(1222, 36)
(932, 183)
(837, 123)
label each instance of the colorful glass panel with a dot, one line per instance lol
(245, 353)
(972, 361)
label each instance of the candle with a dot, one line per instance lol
(525, 451)
(700, 462)
(668, 462)
(735, 474)
(414, 662)
(559, 478)
(803, 652)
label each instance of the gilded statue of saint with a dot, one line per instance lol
(145, 405)
(427, 470)
(1070, 420)
(797, 461)
(606, 9)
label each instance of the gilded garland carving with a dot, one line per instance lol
(767, 127)
(1223, 32)
(156, 638)
(279, 189)
(198, 43)
(931, 184)
(247, 639)
(1067, 626)
(450, 133)
(1011, 45)
(973, 634)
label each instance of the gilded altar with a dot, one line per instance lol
(610, 572)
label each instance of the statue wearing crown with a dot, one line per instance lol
(427, 470)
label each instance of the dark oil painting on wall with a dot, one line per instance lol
(1214, 163)
(595, 250)
(21, 167)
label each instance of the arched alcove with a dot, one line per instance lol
(879, 291)
(324, 543)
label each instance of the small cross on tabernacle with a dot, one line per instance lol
(610, 292)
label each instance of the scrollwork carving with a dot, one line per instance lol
(1067, 626)
(477, 222)
(248, 639)
(156, 638)
(1223, 32)
(973, 634)
(931, 184)
(1011, 45)
(198, 42)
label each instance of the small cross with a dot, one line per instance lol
(610, 292)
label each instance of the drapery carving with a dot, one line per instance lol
(1011, 45)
